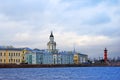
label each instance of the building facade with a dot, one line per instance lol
(80, 58)
(34, 57)
(11, 55)
(52, 56)
(67, 57)
(45, 57)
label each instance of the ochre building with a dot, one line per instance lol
(12, 55)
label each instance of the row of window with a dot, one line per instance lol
(3, 60)
(10, 60)
(14, 60)
(10, 54)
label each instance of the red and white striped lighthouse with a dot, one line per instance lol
(105, 55)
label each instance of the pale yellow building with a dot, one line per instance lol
(76, 59)
(80, 58)
(12, 55)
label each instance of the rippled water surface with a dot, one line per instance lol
(70, 73)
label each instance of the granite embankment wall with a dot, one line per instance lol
(50, 65)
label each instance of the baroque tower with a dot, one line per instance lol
(51, 44)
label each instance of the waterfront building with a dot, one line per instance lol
(44, 57)
(11, 55)
(28, 57)
(34, 57)
(56, 58)
(67, 57)
(39, 57)
(52, 56)
(47, 58)
(80, 58)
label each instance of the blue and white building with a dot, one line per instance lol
(66, 57)
(34, 57)
(51, 55)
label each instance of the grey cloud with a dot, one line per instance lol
(97, 19)
(39, 17)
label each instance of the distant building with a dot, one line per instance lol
(44, 57)
(80, 58)
(67, 57)
(47, 58)
(52, 56)
(11, 55)
(34, 57)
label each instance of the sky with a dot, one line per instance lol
(89, 26)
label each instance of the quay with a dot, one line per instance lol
(54, 65)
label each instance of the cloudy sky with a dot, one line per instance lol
(87, 25)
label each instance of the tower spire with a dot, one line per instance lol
(51, 35)
(74, 50)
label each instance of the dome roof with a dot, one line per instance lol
(51, 35)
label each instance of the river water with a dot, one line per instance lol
(68, 73)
